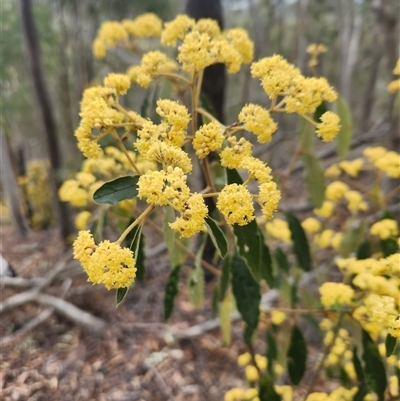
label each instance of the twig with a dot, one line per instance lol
(160, 382)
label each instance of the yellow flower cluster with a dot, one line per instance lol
(153, 65)
(37, 193)
(384, 160)
(114, 33)
(315, 50)
(279, 229)
(236, 204)
(328, 238)
(208, 139)
(336, 293)
(329, 126)
(311, 225)
(232, 155)
(340, 394)
(257, 120)
(106, 263)
(394, 86)
(386, 228)
(203, 44)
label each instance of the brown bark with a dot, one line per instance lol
(45, 111)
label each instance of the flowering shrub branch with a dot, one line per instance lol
(153, 165)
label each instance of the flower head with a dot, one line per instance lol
(145, 25)
(329, 126)
(269, 197)
(332, 293)
(236, 204)
(208, 138)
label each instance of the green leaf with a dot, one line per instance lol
(225, 319)
(374, 369)
(121, 294)
(176, 256)
(217, 236)
(357, 366)
(171, 291)
(266, 390)
(361, 393)
(249, 242)
(390, 343)
(266, 263)
(246, 291)
(225, 277)
(248, 334)
(272, 350)
(388, 246)
(353, 236)
(321, 109)
(136, 242)
(195, 280)
(364, 250)
(314, 175)
(300, 243)
(282, 260)
(344, 137)
(296, 356)
(117, 190)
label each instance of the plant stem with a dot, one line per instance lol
(123, 149)
(134, 224)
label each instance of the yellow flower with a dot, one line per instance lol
(251, 373)
(244, 359)
(192, 218)
(385, 228)
(120, 82)
(234, 394)
(329, 126)
(208, 26)
(352, 168)
(311, 225)
(147, 24)
(257, 120)
(176, 29)
(394, 86)
(336, 190)
(279, 229)
(208, 139)
(257, 169)
(261, 361)
(111, 265)
(269, 197)
(82, 219)
(324, 239)
(285, 391)
(240, 40)
(169, 155)
(196, 52)
(83, 246)
(71, 192)
(374, 153)
(332, 171)
(277, 317)
(355, 200)
(325, 210)
(99, 49)
(390, 164)
(396, 70)
(231, 157)
(236, 204)
(275, 73)
(109, 35)
(332, 293)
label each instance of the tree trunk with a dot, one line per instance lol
(45, 111)
(11, 189)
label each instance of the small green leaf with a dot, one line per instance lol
(344, 137)
(171, 291)
(136, 242)
(364, 250)
(388, 246)
(282, 260)
(300, 243)
(121, 294)
(357, 366)
(266, 264)
(321, 109)
(314, 175)
(225, 277)
(296, 356)
(390, 343)
(248, 334)
(217, 236)
(225, 319)
(374, 368)
(117, 190)
(195, 279)
(272, 350)
(267, 390)
(361, 393)
(246, 291)
(176, 256)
